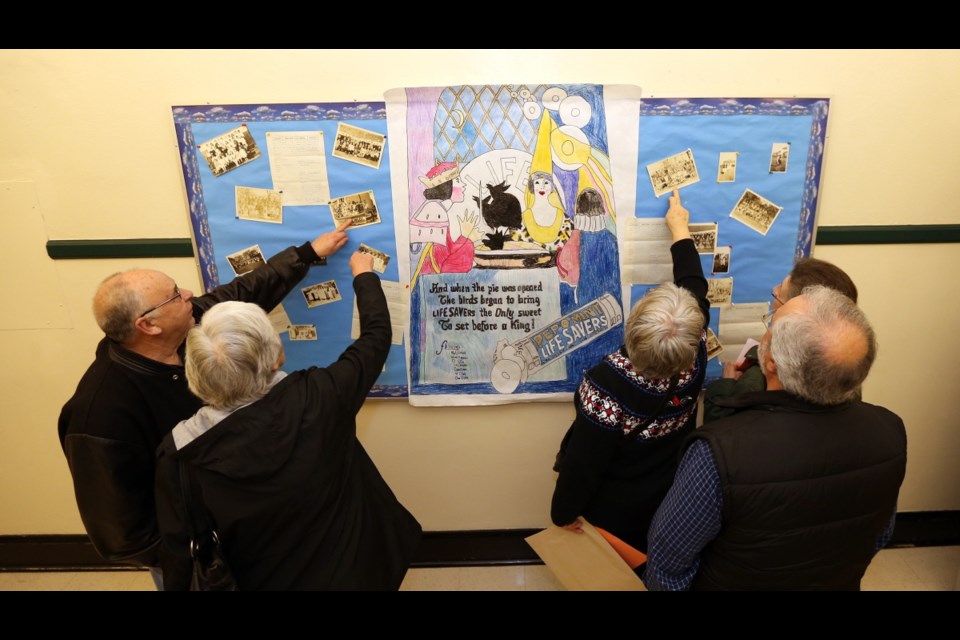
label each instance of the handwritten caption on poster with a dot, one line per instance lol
(465, 316)
(486, 307)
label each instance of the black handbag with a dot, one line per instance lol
(210, 569)
(562, 453)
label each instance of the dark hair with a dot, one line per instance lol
(440, 192)
(808, 272)
(590, 203)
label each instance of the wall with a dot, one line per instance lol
(91, 132)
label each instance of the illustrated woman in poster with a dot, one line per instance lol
(544, 221)
(431, 224)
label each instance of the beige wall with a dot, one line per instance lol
(91, 133)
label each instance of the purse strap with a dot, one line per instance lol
(674, 383)
(198, 517)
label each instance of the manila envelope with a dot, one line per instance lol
(584, 561)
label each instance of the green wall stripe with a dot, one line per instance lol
(889, 234)
(183, 247)
(111, 248)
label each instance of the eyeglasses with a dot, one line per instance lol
(773, 292)
(768, 318)
(176, 294)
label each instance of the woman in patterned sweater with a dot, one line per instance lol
(635, 408)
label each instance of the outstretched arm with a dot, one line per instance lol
(269, 284)
(687, 270)
(359, 366)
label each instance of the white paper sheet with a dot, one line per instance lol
(279, 319)
(646, 251)
(395, 304)
(299, 167)
(739, 323)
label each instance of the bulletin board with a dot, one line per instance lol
(223, 147)
(777, 150)
(759, 213)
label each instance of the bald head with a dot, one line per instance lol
(822, 345)
(122, 297)
(117, 303)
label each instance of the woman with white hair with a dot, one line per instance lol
(635, 408)
(295, 500)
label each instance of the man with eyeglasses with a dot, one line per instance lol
(136, 391)
(747, 376)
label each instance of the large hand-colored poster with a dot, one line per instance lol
(507, 199)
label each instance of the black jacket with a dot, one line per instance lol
(297, 502)
(123, 407)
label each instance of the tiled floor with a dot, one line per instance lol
(919, 569)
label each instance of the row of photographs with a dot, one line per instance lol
(752, 209)
(237, 147)
(680, 170)
(246, 260)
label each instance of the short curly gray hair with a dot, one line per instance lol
(231, 355)
(811, 348)
(663, 331)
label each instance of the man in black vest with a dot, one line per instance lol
(798, 489)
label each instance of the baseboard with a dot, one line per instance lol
(437, 549)
(926, 529)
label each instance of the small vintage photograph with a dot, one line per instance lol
(380, 259)
(704, 235)
(719, 290)
(229, 150)
(721, 260)
(673, 172)
(359, 145)
(727, 167)
(755, 211)
(303, 332)
(359, 208)
(246, 260)
(261, 205)
(322, 293)
(779, 155)
(714, 348)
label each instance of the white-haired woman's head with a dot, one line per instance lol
(663, 331)
(232, 355)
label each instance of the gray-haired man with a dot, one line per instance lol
(797, 489)
(136, 391)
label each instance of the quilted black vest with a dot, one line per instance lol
(807, 490)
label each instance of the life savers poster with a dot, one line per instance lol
(509, 244)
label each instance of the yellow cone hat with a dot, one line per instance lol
(542, 156)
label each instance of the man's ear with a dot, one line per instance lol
(147, 326)
(770, 367)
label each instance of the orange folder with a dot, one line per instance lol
(632, 556)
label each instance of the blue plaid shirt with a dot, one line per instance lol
(689, 518)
